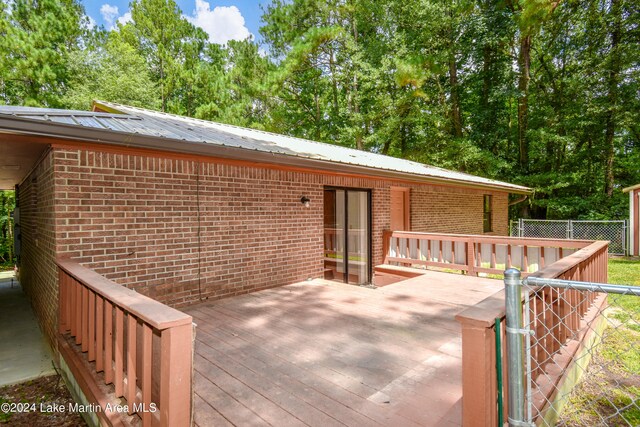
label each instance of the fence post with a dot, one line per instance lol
(625, 241)
(513, 302)
(520, 227)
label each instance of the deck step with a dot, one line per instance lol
(399, 271)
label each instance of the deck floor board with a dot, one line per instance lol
(322, 353)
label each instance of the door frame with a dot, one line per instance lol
(346, 231)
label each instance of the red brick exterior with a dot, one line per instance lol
(38, 271)
(181, 230)
(457, 211)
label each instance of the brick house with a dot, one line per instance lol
(183, 210)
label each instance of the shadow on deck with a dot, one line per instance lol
(321, 353)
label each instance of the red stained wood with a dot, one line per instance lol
(501, 240)
(69, 301)
(118, 353)
(400, 208)
(91, 341)
(636, 222)
(84, 325)
(145, 380)
(493, 256)
(108, 342)
(150, 311)
(130, 392)
(77, 308)
(99, 334)
(62, 300)
(175, 375)
(114, 347)
(322, 353)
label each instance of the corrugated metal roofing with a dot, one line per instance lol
(138, 121)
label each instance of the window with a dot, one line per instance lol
(487, 214)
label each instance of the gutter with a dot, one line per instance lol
(11, 124)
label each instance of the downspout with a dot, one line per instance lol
(520, 200)
(198, 165)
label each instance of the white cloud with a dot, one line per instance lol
(125, 18)
(111, 16)
(90, 23)
(109, 13)
(221, 24)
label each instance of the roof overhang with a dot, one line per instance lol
(17, 159)
(10, 124)
(633, 187)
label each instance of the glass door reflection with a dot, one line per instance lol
(347, 235)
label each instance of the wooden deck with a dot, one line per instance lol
(321, 353)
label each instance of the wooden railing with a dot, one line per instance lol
(560, 312)
(334, 240)
(475, 254)
(141, 346)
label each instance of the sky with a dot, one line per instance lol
(223, 21)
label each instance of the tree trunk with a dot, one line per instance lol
(356, 101)
(486, 77)
(164, 98)
(524, 62)
(614, 76)
(334, 85)
(456, 116)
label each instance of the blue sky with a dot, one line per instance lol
(222, 20)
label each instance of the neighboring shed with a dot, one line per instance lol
(182, 210)
(634, 221)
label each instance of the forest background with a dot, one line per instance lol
(535, 92)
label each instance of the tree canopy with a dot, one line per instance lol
(542, 93)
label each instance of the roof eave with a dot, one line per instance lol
(633, 187)
(26, 126)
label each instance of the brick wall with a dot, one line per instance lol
(179, 230)
(38, 272)
(456, 210)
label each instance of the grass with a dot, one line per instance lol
(610, 390)
(624, 271)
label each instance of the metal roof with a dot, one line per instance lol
(169, 129)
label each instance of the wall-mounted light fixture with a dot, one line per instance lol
(305, 201)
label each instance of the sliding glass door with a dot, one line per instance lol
(347, 235)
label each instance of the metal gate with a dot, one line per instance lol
(613, 231)
(573, 352)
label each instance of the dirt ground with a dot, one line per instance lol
(32, 403)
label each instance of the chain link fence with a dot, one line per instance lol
(613, 231)
(580, 356)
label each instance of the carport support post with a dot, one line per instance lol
(515, 367)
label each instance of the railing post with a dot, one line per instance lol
(479, 381)
(513, 302)
(386, 237)
(175, 376)
(62, 302)
(471, 257)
